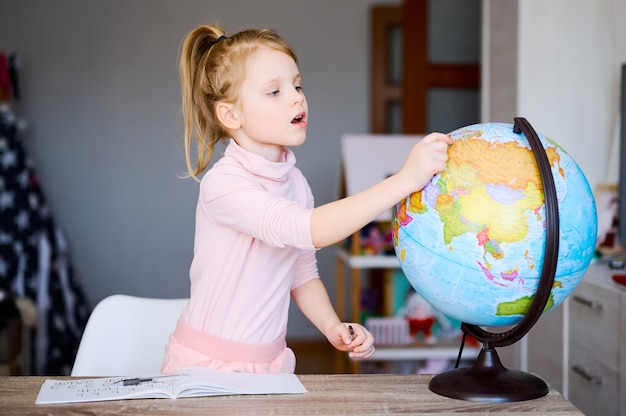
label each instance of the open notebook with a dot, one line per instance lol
(189, 382)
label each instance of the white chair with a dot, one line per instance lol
(126, 336)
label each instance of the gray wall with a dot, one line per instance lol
(558, 64)
(101, 99)
(570, 57)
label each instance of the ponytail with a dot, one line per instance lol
(196, 111)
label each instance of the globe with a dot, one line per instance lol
(472, 242)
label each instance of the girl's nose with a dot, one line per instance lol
(298, 97)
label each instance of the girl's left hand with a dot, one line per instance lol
(359, 342)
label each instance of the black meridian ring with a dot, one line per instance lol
(551, 250)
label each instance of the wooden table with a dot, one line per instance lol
(340, 394)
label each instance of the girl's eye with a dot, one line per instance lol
(299, 88)
(274, 93)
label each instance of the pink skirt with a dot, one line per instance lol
(189, 346)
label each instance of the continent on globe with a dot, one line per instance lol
(472, 241)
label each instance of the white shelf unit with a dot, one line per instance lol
(356, 264)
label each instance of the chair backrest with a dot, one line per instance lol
(126, 336)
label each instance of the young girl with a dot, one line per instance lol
(256, 226)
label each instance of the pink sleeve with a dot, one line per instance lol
(305, 268)
(242, 204)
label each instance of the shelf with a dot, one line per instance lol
(369, 262)
(421, 352)
(409, 352)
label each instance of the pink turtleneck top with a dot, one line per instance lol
(252, 247)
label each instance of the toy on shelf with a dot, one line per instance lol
(374, 239)
(415, 321)
(421, 318)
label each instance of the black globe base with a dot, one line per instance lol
(488, 381)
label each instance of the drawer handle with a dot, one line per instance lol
(592, 304)
(580, 370)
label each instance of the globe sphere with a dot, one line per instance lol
(472, 241)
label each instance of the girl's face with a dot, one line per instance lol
(271, 108)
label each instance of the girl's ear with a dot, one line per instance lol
(227, 115)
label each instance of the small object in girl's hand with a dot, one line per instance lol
(351, 332)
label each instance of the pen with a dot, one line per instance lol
(139, 380)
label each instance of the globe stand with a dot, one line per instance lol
(487, 380)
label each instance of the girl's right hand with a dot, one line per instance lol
(427, 158)
(354, 338)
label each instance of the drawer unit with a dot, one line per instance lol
(591, 335)
(593, 385)
(595, 321)
(597, 361)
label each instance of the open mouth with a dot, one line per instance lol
(298, 119)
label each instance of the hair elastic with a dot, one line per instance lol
(216, 41)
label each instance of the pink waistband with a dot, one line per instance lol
(225, 349)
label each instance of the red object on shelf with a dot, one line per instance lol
(620, 278)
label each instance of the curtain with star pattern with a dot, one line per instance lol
(34, 257)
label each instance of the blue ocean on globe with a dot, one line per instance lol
(472, 241)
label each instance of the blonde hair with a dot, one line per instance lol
(212, 67)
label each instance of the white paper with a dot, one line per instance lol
(193, 382)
